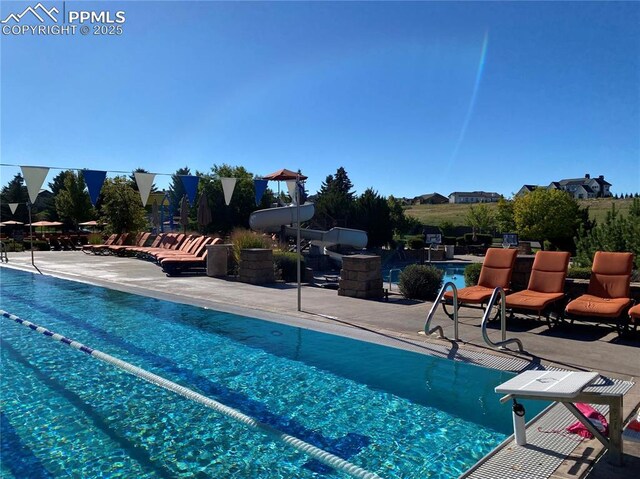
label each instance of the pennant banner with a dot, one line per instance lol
(190, 184)
(13, 207)
(291, 186)
(260, 187)
(34, 177)
(94, 180)
(228, 185)
(145, 182)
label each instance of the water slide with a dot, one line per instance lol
(271, 221)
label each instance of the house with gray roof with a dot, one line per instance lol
(579, 188)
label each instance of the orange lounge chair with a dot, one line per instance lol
(193, 247)
(188, 246)
(496, 272)
(607, 298)
(91, 248)
(171, 241)
(104, 248)
(545, 291)
(181, 264)
(154, 244)
(120, 250)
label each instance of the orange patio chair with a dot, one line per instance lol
(139, 242)
(607, 299)
(545, 291)
(92, 248)
(188, 263)
(496, 272)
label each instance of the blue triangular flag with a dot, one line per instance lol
(260, 186)
(190, 184)
(94, 180)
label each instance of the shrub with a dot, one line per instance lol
(472, 274)
(244, 239)
(415, 242)
(286, 263)
(420, 281)
(449, 240)
(579, 272)
(481, 239)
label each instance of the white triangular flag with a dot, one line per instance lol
(228, 185)
(13, 207)
(34, 177)
(291, 186)
(145, 182)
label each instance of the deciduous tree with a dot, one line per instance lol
(122, 209)
(546, 214)
(72, 202)
(481, 218)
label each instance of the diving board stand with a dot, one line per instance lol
(568, 388)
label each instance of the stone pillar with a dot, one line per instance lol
(217, 259)
(361, 277)
(256, 266)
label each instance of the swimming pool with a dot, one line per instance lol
(390, 411)
(452, 272)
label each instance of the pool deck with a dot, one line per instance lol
(397, 322)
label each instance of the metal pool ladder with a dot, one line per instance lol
(432, 312)
(498, 293)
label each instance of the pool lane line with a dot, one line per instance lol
(257, 409)
(316, 453)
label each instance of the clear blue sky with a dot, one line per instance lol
(410, 97)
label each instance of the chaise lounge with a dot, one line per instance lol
(607, 299)
(496, 272)
(545, 291)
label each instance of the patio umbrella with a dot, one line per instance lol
(43, 224)
(283, 175)
(11, 223)
(204, 212)
(90, 223)
(184, 212)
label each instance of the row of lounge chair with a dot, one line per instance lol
(176, 253)
(607, 299)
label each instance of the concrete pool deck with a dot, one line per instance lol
(581, 347)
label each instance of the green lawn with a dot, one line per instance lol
(456, 213)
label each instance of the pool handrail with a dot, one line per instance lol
(3, 253)
(432, 312)
(390, 274)
(498, 293)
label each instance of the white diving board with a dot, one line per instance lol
(568, 388)
(565, 384)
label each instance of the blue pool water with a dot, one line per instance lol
(452, 272)
(65, 414)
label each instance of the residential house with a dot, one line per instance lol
(584, 188)
(430, 199)
(526, 189)
(473, 197)
(579, 188)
